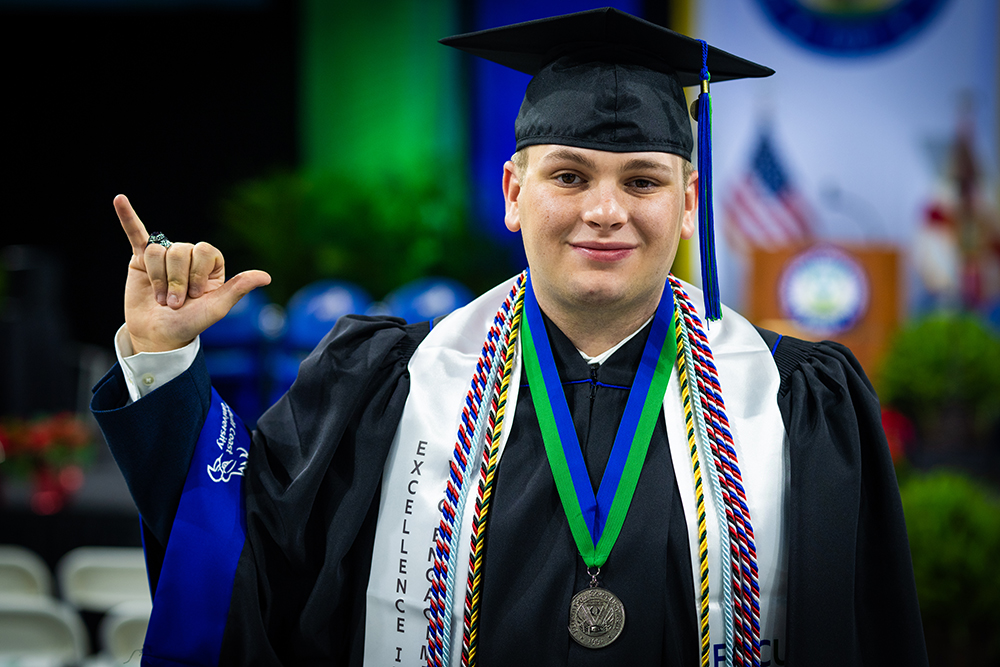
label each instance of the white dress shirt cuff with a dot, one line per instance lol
(146, 371)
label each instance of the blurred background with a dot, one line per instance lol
(340, 148)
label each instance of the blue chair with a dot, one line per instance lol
(311, 313)
(234, 352)
(314, 309)
(426, 298)
(240, 326)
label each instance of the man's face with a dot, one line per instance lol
(600, 229)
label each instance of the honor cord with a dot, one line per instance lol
(468, 442)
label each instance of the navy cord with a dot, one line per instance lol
(775, 346)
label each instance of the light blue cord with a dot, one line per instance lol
(713, 473)
(474, 457)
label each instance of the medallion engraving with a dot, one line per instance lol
(596, 617)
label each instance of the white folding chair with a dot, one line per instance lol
(123, 630)
(23, 571)
(98, 578)
(40, 630)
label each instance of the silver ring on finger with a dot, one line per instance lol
(159, 238)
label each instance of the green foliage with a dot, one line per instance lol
(953, 525)
(940, 362)
(302, 227)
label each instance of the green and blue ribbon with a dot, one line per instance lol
(596, 520)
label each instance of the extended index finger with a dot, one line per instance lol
(134, 229)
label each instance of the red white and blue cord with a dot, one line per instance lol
(473, 430)
(741, 590)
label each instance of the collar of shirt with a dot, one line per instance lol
(603, 356)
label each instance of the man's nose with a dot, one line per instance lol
(605, 208)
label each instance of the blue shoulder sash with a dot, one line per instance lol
(193, 593)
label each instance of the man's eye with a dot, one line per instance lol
(642, 184)
(568, 178)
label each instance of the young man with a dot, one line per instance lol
(626, 486)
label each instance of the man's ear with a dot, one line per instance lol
(690, 219)
(511, 191)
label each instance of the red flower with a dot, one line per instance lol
(39, 436)
(899, 431)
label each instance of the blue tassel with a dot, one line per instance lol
(706, 217)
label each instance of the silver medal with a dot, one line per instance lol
(596, 617)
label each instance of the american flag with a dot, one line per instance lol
(764, 210)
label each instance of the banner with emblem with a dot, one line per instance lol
(863, 107)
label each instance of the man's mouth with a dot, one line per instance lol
(603, 252)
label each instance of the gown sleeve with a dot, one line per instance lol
(152, 440)
(310, 487)
(851, 593)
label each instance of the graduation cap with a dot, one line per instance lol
(607, 80)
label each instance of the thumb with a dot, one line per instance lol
(238, 287)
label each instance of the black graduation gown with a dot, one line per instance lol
(312, 487)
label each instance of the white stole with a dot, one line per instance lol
(417, 470)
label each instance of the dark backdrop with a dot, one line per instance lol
(170, 107)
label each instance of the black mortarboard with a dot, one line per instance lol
(606, 80)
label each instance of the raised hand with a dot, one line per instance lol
(173, 294)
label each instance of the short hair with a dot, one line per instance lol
(520, 160)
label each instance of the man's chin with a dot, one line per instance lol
(601, 296)
(605, 296)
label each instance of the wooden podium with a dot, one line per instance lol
(771, 278)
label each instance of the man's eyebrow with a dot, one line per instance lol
(572, 156)
(639, 164)
(635, 164)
